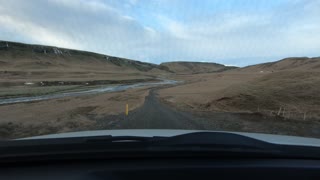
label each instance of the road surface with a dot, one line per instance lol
(152, 115)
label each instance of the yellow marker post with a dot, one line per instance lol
(127, 109)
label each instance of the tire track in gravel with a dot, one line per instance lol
(151, 115)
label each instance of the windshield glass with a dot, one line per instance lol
(236, 65)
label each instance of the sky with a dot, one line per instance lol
(230, 32)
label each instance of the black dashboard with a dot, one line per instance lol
(162, 168)
(204, 155)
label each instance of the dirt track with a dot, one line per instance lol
(152, 115)
(156, 115)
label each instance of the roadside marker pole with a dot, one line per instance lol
(127, 109)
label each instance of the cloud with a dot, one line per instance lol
(35, 32)
(100, 29)
(153, 32)
(83, 5)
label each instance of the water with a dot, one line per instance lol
(85, 92)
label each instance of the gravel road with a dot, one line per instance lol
(152, 115)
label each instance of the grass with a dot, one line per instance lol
(297, 92)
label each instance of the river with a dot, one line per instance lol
(85, 92)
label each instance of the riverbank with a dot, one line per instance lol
(65, 114)
(84, 90)
(36, 88)
(70, 111)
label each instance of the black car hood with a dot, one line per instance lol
(271, 138)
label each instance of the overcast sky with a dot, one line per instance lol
(232, 32)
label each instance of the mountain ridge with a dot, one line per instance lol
(290, 63)
(42, 56)
(185, 67)
(17, 55)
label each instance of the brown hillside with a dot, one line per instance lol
(293, 63)
(195, 67)
(18, 56)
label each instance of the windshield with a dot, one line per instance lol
(236, 65)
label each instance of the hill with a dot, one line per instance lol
(288, 88)
(195, 67)
(19, 56)
(292, 64)
(21, 63)
(296, 91)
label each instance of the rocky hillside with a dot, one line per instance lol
(195, 67)
(292, 63)
(18, 56)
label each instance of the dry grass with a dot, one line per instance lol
(295, 92)
(292, 91)
(65, 114)
(292, 64)
(195, 67)
(37, 76)
(199, 89)
(34, 90)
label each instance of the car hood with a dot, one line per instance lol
(271, 138)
